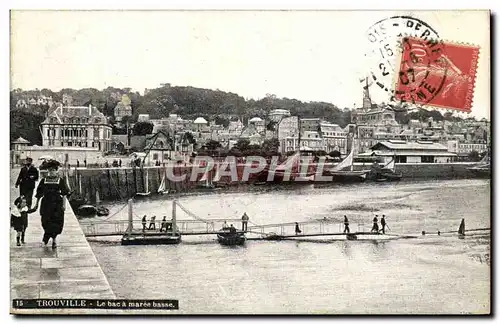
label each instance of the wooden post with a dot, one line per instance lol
(126, 183)
(110, 192)
(135, 180)
(174, 218)
(130, 219)
(79, 175)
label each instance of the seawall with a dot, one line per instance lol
(120, 183)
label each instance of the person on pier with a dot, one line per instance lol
(383, 223)
(346, 225)
(375, 224)
(232, 229)
(297, 229)
(28, 176)
(163, 224)
(144, 223)
(51, 190)
(152, 223)
(19, 218)
(244, 222)
(225, 226)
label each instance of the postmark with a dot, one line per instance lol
(384, 39)
(438, 74)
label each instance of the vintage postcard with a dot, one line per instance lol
(250, 162)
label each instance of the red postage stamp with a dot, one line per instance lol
(437, 73)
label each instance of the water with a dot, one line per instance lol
(421, 276)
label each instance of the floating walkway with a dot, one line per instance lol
(135, 231)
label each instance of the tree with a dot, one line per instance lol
(212, 145)
(25, 124)
(142, 128)
(474, 156)
(242, 144)
(190, 138)
(271, 145)
(335, 154)
(222, 121)
(271, 126)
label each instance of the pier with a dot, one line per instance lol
(66, 272)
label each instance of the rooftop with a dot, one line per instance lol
(73, 111)
(21, 140)
(402, 145)
(200, 120)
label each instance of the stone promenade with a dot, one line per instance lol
(70, 271)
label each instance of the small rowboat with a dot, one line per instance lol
(231, 238)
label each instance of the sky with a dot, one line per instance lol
(306, 55)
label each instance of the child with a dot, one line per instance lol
(19, 218)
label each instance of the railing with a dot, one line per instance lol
(119, 227)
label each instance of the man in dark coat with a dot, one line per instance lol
(346, 225)
(26, 180)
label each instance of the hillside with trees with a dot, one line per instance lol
(187, 102)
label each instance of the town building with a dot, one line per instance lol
(77, 127)
(143, 118)
(276, 115)
(335, 138)
(312, 141)
(288, 134)
(258, 123)
(411, 152)
(123, 108)
(309, 124)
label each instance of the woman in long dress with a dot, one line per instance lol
(51, 191)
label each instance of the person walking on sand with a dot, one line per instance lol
(346, 225)
(244, 222)
(51, 191)
(19, 218)
(28, 176)
(152, 223)
(144, 223)
(383, 223)
(375, 224)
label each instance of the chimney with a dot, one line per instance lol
(90, 110)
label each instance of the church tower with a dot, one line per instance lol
(367, 101)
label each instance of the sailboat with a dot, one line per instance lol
(386, 173)
(291, 167)
(205, 182)
(339, 173)
(162, 189)
(483, 168)
(146, 192)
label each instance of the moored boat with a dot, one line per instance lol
(227, 237)
(86, 211)
(483, 168)
(343, 172)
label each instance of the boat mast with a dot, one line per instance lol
(130, 220)
(174, 218)
(298, 121)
